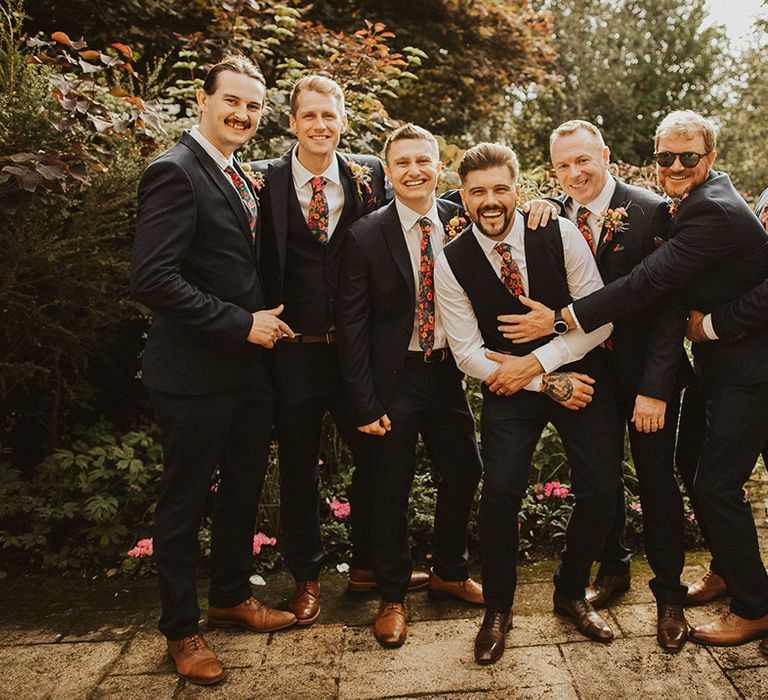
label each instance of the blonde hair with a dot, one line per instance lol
(574, 125)
(410, 131)
(316, 83)
(685, 122)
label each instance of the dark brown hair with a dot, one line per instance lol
(234, 64)
(485, 156)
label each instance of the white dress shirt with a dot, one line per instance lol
(409, 221)
(334, 191)
(460, 321)
(599, 204)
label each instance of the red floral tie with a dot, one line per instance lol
(510, 272)
(426, 315)
(317, 218)
(584, 228)
(246, 196)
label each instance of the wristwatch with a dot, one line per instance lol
(560, 326)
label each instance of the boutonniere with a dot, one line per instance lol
(455, 226)
(613, 222)
(675, 203)
(764, 216)
(254, 177)
(361, 176)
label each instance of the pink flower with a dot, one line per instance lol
(691, 518)
(143, 548)
(539, 496)
(339, 509)
(555, 489)
(636, 507)
(260, 540)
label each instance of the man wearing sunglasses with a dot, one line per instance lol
(718, 250)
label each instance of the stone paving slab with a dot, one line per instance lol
(751, 683)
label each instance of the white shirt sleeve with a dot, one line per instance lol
(708, 328)
(460, 323)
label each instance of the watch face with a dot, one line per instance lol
(560, 327)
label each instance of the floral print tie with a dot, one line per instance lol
(247, 196)
(317, 218)
(584, 228)
(510, 272)
(426, 315)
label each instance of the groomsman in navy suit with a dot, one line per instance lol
(195, 266)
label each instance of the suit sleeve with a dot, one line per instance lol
(702, 238)
(353, 334)
(165, 229)
(747, 312)
(665, 347)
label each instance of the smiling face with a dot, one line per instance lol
(318, 124)
(412, 167)
(580, 163)
(678, 180)
(230, 115)
(490, 197)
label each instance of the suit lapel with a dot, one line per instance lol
(279, 183)
(220, 179)
(619, 199)
(351, 210)
(393, 235)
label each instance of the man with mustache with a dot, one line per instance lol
(481, 274)
(718, 251)
(195, 266)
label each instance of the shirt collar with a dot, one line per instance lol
(603, 200)
(409, 218)
(301, 176)
(515, 234)
(218, 157)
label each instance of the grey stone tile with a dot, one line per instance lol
(157, 687)
(752, 683)
(744, 656)
(635, 668)
(317, 645)
(54, 670)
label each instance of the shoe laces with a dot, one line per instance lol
(707, 576)
(667, 610)
(194, 643)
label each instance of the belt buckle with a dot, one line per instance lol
(435, 356)
(328, 340)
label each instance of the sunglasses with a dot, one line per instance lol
(689, 159)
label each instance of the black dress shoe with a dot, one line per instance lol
(604, 588)
(489, 643)
(671, 627)
(588, 622)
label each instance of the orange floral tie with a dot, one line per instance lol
(426, 315)
(247, 196)
(317, 218)
(510, 272)
(585, 229)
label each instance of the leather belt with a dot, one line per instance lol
(437, 355)
(304, 339)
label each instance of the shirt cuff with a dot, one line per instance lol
(548, 357)
(573, 315)
(534, 384)
(708, 328)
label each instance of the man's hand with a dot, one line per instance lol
(570, 389)
(540, 212)
(695, 330)
(378, 427)
(267, 328)
(648, 416)
(522, 328)
(513, 372)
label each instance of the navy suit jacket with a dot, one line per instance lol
(377, 302)
(718, 251)
(194, 265)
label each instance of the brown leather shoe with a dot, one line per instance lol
(604, 588)
(763, 646)
(305, 602)
(730, 630)
(468, 590)
(709, 587)
(390, 627)
(671, 627)
(252, 615)
(195, 660)
(364, 580)
(490, 640)
(588, 622)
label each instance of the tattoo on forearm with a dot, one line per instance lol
(558, 386)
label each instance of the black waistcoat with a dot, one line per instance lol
(311, 273)
(547, 283)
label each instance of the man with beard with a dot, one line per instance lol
(480, 275)
(717, 251)
(194, 266)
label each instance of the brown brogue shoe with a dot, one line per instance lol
(730, 630)
(490, 640)
(763, 646)
(390, 627)
(195, 660)
(588, 622)
(600, 593)
(671, 627)
(252, 615)
(709, 587)
(364, 580)
(305, 602)
(468, 590)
